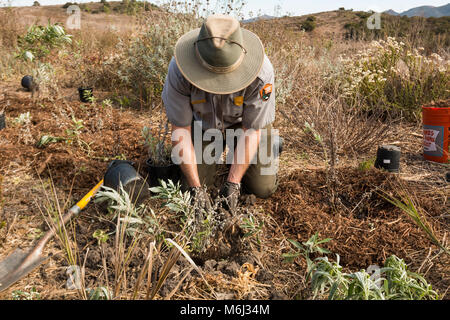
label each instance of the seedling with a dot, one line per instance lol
(100, 293)
(305, 249)
(33, 294)
(252, 227)
(196, 228)
(367, 164)
(46, 140)
(74, 133)
(77, 126)
(107, 103)
(158, 151)
(101, 236)
(23, 119)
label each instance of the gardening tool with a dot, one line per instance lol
(122, 173)
(21, 262)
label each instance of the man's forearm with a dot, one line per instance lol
(187, 153)
(245, 151)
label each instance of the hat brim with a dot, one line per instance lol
(218, 83)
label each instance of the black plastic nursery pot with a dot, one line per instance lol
(2, 121)
(388, 158)
(121, 172)
(156, 173)
(27, 82)
(86, 94)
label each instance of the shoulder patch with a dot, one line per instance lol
(266, 91)
(239, 101)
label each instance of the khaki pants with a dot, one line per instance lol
(260, 179)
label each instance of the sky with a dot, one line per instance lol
(288, 7)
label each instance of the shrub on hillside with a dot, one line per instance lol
(132, 7)
(68, 4)
(106, 8)
(309, 24)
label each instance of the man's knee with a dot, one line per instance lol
(265, 192)
(261, 189)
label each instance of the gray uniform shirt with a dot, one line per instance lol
(185, 102)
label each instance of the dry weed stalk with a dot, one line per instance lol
(407, 202)
(53, 211)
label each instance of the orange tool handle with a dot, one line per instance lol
(87, 198)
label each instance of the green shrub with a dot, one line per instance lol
(394, 282)
(309, 24)
(363, 15)
(141, 67)
(330, 281)
(40, 40)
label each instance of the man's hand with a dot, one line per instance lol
(200, 200)
(230, 193)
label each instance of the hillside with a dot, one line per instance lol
(430, 33)
(93, 15)
(338, 24)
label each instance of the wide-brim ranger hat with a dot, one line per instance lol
(220, 57)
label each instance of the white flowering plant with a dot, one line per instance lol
(391, 76)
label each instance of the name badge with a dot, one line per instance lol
(198, 101)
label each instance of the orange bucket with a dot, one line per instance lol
(436, 128)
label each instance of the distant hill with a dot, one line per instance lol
(263, 17)
(392, 12)
(424, 11)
